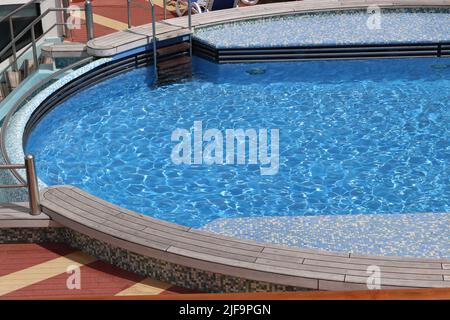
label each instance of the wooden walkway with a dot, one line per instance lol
(121, 41)
(16, 215)
(311, 269)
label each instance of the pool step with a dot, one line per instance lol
(174, 62)
(242, 55)
(176, 74)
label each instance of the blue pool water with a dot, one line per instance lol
(355, 137)
(332, 28)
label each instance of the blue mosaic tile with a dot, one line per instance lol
(424, 235)
(331, 28)
(18, 122)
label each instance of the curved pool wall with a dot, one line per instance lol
(19, 121)
(355, 137)
(442, 252)
(84, 77)
(420, 234)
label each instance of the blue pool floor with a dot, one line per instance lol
(390, 117)
(424, 235)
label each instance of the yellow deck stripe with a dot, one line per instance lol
(29, 276)
(145, 287)
(112, 23)
(160, 3)
(104, 21)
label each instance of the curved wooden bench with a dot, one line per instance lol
(301, 268)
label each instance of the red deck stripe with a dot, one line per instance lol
(15, 257)
(179, 290)
(116, 10)
(79, 35)
(97, 279)
(139, 16)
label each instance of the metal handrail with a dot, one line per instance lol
(12, 43)
(31, 27)
(89, 19)
(14, 59)
(31, 184)
(19, 9)
(154, 39)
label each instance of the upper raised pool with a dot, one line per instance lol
(355, 137)
(333, 28)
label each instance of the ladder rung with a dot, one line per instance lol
(176, 48)
(174, 62)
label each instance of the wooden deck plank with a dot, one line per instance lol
(257, 266)
(170, 234)
(160, 227)
(358, 266)
(67, 218)
(122, 211)
(382, 263)
(124, 229)
(136, 36)
(355, 272)
(394, 258)
(197, 246)
(17, 215)
(320, 259)
(17, 208)
(400, 282)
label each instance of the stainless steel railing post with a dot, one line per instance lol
(190, 25)
(89, 19)
(155, 66)
(190, 14)
(33, 188)
(165, 9)
(13, 45)
(65, 17)
(35, 54)
(129, 13)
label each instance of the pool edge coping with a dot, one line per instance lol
(307, 269)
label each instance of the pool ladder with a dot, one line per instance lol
(172, 62)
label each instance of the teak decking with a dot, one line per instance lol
(310, 269)
(17, 215)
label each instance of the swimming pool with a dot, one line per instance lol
(355, 137)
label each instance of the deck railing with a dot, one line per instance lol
(13, 65)
(154, 39)
(31, 182)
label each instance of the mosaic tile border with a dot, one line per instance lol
(31, 235)
(18, 122)
(176, 274)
